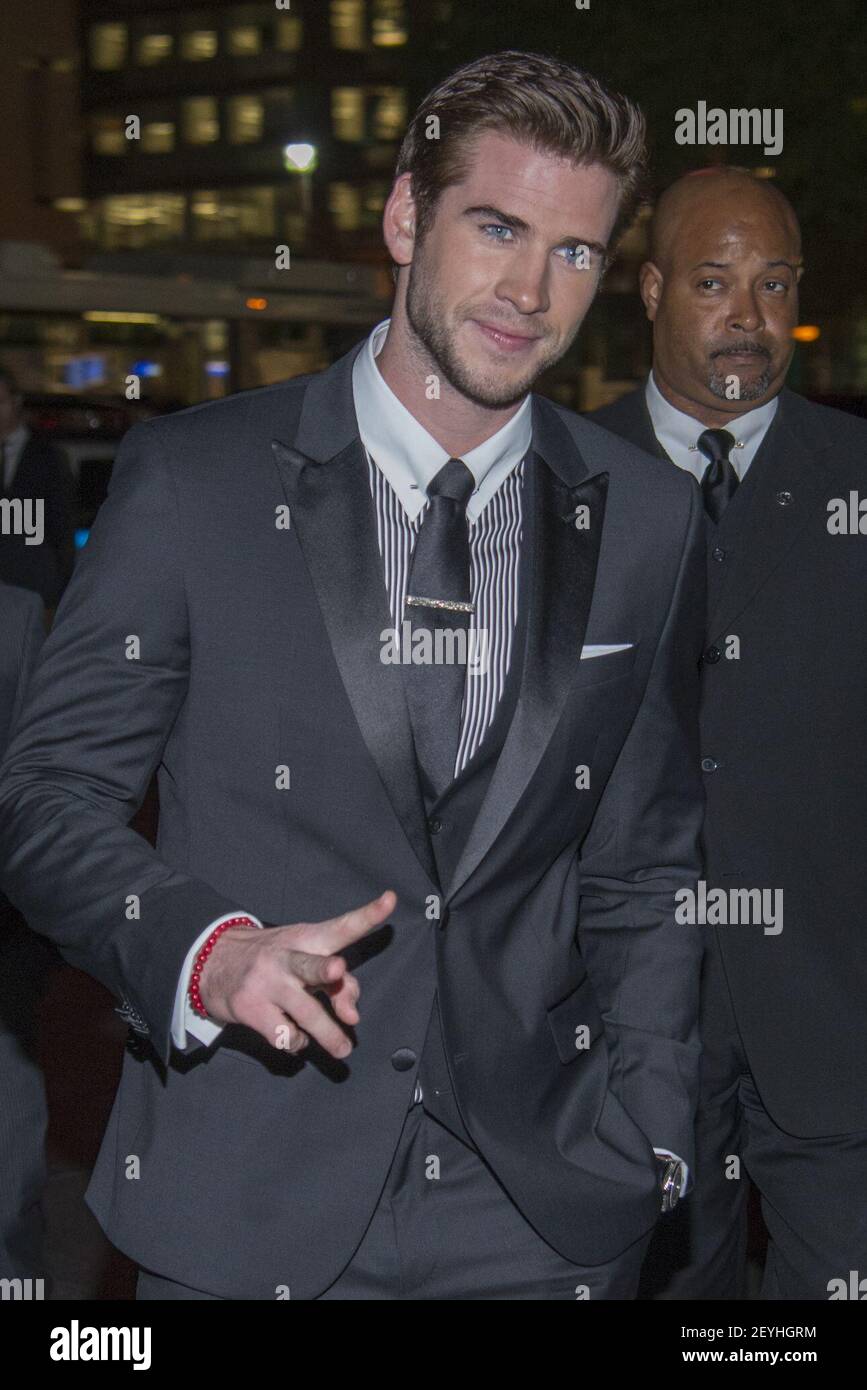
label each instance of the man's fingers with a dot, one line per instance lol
(308, 1014)
(329, 974)
(344, 999)
(317, 972)
(281, 1032)
(339, 932)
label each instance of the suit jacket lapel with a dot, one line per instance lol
(331, 511)
(790, 482)
(564, 559)
(634, 423)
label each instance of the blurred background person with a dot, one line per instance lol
(24, 963)
(34, 468)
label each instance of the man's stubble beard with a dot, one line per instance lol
(427, 318)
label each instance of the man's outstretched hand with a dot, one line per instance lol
(267, 980)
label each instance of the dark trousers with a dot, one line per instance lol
(445, 1229)
(25, 962)
(812, 1190)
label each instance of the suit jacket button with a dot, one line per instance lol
(784, 499)
(404, 1059)
(712, 655)
(434, 825)
(709, 764)
(718, 553)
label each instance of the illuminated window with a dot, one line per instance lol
(373, 203)
(108, 45)
(199, 44)
(244, 40)
(358, 113)
(153, 48)
(131, 221)
(246, 120)
(389, 113)
(347, 24)
(288, 33)
(108, 135)
(201, 121)
(389, 23)
(344, 202)
(158, 137)
(233, 214)
(347, 113)
(356, 209)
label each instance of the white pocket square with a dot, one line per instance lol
(603, 649)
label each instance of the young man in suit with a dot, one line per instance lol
(484, 1125)
(24, 960)
(784, 740)
(33, 473)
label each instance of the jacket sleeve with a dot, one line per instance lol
(644, 846)
(99, 709)
(31, 640)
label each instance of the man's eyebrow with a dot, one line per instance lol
(517, 224)
(725, 265)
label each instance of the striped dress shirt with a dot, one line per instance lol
(495, 541)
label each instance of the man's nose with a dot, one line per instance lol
(526, 284)
(746, 314)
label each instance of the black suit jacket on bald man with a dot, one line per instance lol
(260, 649)
(784, 736)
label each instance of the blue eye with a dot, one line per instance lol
(496, 227)
(583, 256)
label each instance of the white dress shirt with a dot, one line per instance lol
(678, 432)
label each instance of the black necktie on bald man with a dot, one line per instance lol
(720, 481)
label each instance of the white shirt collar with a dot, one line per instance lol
(409, 456)
(678, 432)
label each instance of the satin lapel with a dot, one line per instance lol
(790, 482)
(563, 574)
(331, 511)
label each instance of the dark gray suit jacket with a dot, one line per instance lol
(785, 733)
(258, 648)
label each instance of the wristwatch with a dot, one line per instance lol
(672, 1180)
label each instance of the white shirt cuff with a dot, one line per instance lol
(184, 1017)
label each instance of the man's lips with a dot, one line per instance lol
(512, 342)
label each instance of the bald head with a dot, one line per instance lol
(721, 196)
(721, 289)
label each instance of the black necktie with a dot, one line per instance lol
(720, 480)
(438, 602)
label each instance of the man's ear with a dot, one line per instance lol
(650, 285)
(398, 221)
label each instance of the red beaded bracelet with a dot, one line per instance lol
(193, 989)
